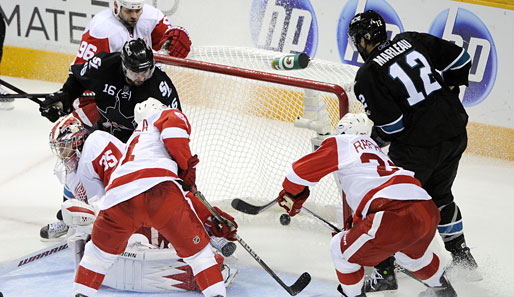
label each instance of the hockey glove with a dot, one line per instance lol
(189, 175)
(176, 41)
(376, 136)
(54, 106)
(220, 229)
(293, 203)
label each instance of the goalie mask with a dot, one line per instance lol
(146, 108)
(137, 61)
(66, 140)
(368, 25)
(354, 124)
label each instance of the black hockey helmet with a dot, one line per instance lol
(370, 25)
(137, 61)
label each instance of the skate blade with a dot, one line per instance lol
(230, 278)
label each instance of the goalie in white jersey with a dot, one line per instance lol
(147, 263)
(393, 215)
(145, 190)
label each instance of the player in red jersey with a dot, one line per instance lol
(393, 214)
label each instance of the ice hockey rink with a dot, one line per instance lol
(30, 195)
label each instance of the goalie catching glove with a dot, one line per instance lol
(176, 41)
(225, 229)
(293, 203)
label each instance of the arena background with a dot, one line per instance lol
(42, 39)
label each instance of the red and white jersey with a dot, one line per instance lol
(156, 150)
(100, 155)
(105, 32)
(363, 170)
(74, 186)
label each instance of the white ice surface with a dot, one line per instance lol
(30, 195)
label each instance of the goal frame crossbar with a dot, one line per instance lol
(335, 89)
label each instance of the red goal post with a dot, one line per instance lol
(243, 115)
(335, 89)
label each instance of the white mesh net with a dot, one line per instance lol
(242, 129)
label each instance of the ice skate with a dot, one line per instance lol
(383, 277)
(463, 263)
(53, 231)
(445, 290)
(224, 246)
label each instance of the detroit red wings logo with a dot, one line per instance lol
(80, 192)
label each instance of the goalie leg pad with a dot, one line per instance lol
(77, 243)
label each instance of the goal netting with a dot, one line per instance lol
(242, 114)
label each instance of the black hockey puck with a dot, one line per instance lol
(285, 219)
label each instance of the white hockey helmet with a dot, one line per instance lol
(67, 138)
(355, 124)
(146, 108)
(129, 4)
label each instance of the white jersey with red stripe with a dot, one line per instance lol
(363, 170)
(99, 157)
(105, 32)
(73, 187)
(156, 150)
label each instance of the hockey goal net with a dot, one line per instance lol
(242, 113)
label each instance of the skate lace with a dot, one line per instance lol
(57, 226)
(374, 278)
(218, 242)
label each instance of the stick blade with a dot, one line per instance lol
(245, 207)
(300, 284)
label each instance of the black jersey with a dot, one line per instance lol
(404, 87)
(115, 99)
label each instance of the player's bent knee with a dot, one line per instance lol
(95, 259)
(340, 262)
(201, 260)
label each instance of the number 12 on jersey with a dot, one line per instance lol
(413, 60)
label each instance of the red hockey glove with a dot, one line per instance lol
(189, 175)
(220, 229)
(291, 203)
(177, 42)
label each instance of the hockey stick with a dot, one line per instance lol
(23, 95)
(243, 206)
(33, 257)
(17, 90)
(248, 208)
(294, 289)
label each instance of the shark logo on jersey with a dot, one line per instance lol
(288, 26)
(122, 122)
(393, 25)
(461, 26)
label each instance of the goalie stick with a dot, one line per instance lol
(33, 257)
(294, 289)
